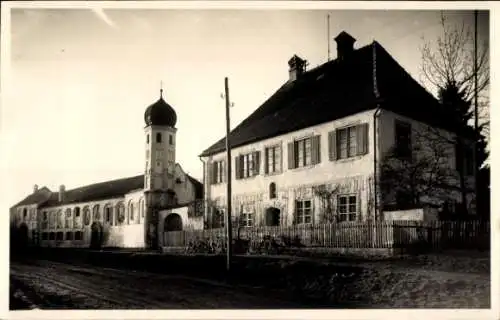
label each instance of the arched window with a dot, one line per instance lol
(86, 215)
(108, 214)
(96, 214)
(131, 217)
(272, 190)
(77, 218)
(25, 214)
(52, 220)
(147, 138)
(60, 220)
(142, 208)
(68, 220)
(120, 213)
(158, 137)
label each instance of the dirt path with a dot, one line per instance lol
(59, 286)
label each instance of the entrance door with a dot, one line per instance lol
(173, 222)
(23, 236)
(273, 216)
(96, 236)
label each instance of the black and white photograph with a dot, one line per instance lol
(252, 158)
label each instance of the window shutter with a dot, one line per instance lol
(332, 146)
(291, 155)
(266, 161)
(256, 162)
(281, 158)
(237, 172)
(315, 150)
(213, 173)
(362, 138)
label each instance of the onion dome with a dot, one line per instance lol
(160, 113)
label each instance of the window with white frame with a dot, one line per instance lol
(303, 211)
(347, 144)
(69, 217)
(347, 207)
(108, 214)
(247, 165)
(131, 215)
(273, 159)
(77, 218)
(96, 214)
(247, 218)
(60, 220)
(303, 152)
(218, 172)
(120, 213)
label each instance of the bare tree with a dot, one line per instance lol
(423, 173)
(451, 61)
(326, 195)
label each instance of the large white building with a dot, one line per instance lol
(129, 212)
(324, 130)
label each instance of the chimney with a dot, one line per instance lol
(35, 188)
(62, 191)
(345, 45)
(297, 67)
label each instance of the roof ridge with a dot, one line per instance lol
(102, 182)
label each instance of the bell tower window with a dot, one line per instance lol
(170, 139)
(158, 137)
(147, 138)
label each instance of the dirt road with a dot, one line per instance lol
(51, 285)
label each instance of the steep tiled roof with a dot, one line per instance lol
(106, 190)
(198, 187)
(38, 197)
(368, 77)
(99, 191)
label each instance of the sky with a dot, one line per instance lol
(80, 80)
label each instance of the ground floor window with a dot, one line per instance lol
(218, 218)
(303, 211)
(69, 235)
(52, 236)
(59, 236)
(78, 235)
(247, 219)
(347, 207)
(45, 235)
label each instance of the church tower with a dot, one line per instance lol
(160, 131)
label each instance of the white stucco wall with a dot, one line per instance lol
(352, 173)
(129, 234)
(188, 223)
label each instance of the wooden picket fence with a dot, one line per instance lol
(383, 234)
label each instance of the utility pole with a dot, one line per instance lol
(328, 34)
(476, 115)
(228, 177)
